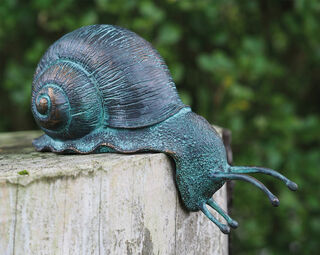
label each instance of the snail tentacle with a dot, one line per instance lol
(215, 206)
(228, 176)
(224, 228)
(253, 169)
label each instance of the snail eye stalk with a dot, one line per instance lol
(247, 170)
(229, 176)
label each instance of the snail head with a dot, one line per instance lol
(240, 173)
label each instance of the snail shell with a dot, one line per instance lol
(101, 76)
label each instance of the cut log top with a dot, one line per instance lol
(21, 164)
(96, 204)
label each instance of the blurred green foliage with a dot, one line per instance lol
(250, 66)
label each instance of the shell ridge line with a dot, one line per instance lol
(67, 42)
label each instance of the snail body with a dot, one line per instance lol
(102, 88)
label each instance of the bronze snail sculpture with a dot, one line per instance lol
(102, 88)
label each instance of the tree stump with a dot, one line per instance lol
(96, 204)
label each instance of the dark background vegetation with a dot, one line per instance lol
(251, 66)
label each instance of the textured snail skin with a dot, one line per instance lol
(104, 89)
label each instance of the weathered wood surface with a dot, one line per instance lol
(96, 204)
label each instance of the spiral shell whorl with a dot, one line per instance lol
(74, 108)
(111, 76)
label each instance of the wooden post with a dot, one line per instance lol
(96, 204)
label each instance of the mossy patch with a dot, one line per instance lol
(23, 172)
